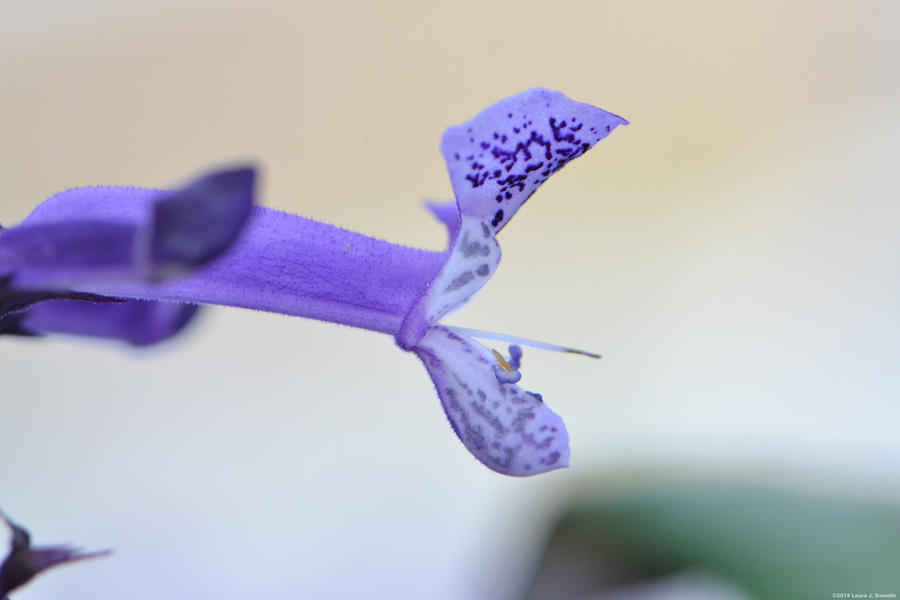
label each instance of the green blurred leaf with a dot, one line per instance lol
(776, 544)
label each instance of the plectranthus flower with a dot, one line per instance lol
(292, 265)
(24, 562)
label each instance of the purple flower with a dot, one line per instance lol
(292, 265)
(24, 562)
(87, 237)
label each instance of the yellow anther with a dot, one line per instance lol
(502, 361)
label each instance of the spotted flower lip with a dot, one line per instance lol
(284, 263)
(24, 562)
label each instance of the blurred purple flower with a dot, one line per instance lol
(292, 265)
(24, 562)
(84, 238)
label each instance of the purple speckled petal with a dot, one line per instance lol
(473, 258)
(137, 322)
(24, 562)
(509, 430)
(498, 159)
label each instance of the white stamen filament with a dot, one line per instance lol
(502, 337)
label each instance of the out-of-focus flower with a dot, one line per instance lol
(24, 561)
(292, 265)
(85, 238)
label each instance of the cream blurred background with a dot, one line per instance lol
(733, 253)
